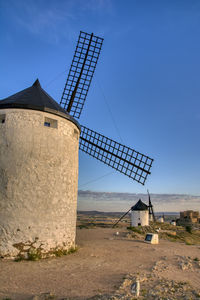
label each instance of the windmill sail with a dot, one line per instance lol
(123, 159)
(151, 211)
(81, 72)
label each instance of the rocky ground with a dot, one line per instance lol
(106, 266)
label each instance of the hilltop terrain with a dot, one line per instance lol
(107, 264)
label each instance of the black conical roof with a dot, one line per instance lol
(35, 98)
(139, 206)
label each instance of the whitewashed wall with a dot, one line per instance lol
(38, 182)
(141, 217)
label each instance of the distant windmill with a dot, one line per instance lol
(123, 159)
(141, 213)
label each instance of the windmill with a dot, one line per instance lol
(141, 214)
(120, 157)
(39, 143)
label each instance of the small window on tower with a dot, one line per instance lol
(2, 118)
(50, 122)
(47, 124)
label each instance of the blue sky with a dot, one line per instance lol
(146, 88)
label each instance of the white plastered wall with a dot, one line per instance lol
(38, 182)
(139, 217)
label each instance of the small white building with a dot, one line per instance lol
(139, 214)
(173, 222)
(161, 219)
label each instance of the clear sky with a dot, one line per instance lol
(146, 88)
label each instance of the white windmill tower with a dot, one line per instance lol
(140, 214)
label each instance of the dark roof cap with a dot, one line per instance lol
(37, 83)
(139, 206)
(36, 98)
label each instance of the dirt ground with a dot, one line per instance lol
(100, 266)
